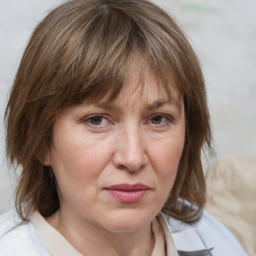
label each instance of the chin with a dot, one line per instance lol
(129, 222)
(126, 227)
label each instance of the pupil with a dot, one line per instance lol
(96, 120)
(156, 119)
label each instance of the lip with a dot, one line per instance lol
(128, 193)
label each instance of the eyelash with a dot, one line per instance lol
(88, 120)
(168, 119)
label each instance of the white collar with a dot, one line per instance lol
(187, 240)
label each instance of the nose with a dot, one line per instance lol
(130, 153)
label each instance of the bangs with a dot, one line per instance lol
(99, 54)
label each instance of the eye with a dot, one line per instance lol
(157, 119)
(160, 119)
(96, 120)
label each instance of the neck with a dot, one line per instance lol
(89, 239)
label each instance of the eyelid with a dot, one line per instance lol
(169, 117)
(102, 115)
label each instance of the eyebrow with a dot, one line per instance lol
(157, 104)
(150, 107)
(107, 106)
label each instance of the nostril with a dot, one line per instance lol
(135, 163)
(129, 163)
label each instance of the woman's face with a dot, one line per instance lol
(116, 163)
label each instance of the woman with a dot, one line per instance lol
(107, 118)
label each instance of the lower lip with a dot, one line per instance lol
(127, 196)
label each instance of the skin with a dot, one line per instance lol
(138, 138)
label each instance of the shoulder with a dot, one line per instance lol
(18, 238)
(213, 232)
(205, 234)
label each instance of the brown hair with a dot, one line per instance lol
(82, 51)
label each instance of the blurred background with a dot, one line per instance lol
(223, 34)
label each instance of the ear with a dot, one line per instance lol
(44, 157)
(47, 158)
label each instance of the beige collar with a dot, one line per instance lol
(55, 243)
(170, 246)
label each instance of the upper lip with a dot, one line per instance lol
(128, 187)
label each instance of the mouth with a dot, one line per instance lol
(127, 193)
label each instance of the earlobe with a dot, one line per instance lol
(44, 157)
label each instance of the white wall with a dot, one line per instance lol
(17, 21)
(223, 33)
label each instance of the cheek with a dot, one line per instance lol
(80, 160)
(167, 155)
(77, 169)
(165, 161)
